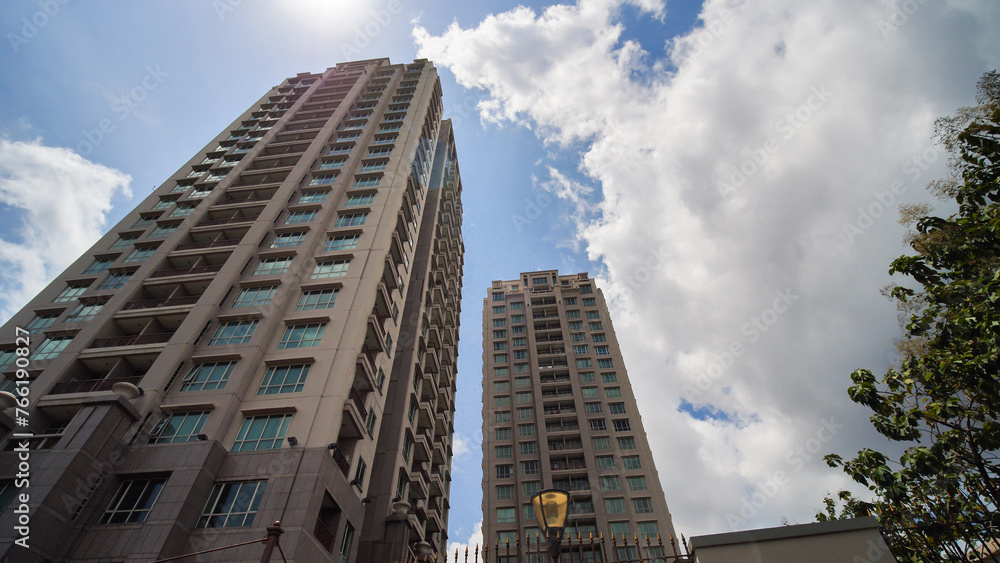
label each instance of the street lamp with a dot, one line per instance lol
(550, 511)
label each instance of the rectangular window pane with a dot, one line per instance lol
(236, 332)
(133, 501)
(255, 296)
(232, 504)
(342, 242)
(284, 379)
(178, 427)
(272, 266)
(317, 299)
(331, 269)
(302, 336)
(208, 377)
(262, 433)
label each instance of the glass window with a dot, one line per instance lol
(589, 391)
(569, 301)
(602, 350)
(613, 392)
(70, 293)
(642, 505)
(505, 471)
(234, 332)
(232, 504)
(502, 401)
(296, 217)
(41, 322)
(583, 362)
(503, 452)
(589, 302)
(601, 442)
(255, 296)
(597, 424)
(502, 333)
(605, 462)
(501, 386)
(522, 382)
(302, 336)
(529, 488)
(574, 314)
(133, 501)
(526, 429)
(500, 358)
(516, 305)
(516, 319)
(262, 432)
(366, 182)
(586, 377)
(208, 376)
(284, 379)
(499, 346)
(622, 425)
(505, 515)
(178, 427)
(586, 289)
(282, 240)
(501, 372)
(317, 299)
(637, 483)
(614, 505)
(648, 530)
(99, 266)
(357, 200)
(503, 433)
(626, 443)
(113, 281)
(499, 323)
(610, 483)
(520, 341)
(162, 231)
(620, 529)
(499, 310)
(593, 315)
(617, 408)
(51, 347)
(524, 397)
(595, 326)
(593, 408)
(529, 448)
(605, 364)
(124, 241)
(313, 197)
(631, 462)
(520, 368)
(503, 416)
(505, 492)
(576, 325)
(351, 220)
(272, 266)
(330, 269)
(518, 329)
(341, 242)
(526, 412)
(599, 337)
(529, 467)
(323, 179)
(140, 254)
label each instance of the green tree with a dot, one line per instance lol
(940, 498)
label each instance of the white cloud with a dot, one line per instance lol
(470, 545)
(727, 177)
(62, 200)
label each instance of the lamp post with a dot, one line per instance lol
(550, 511)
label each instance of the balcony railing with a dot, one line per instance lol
(91, 385)
(155, 303)
(133, 340)
(187, 271)
(208, 244)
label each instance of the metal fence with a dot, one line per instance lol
(574, 549)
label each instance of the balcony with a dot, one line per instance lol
(208, 244)
(353, 423)
(91, 385)
(157, 303)
(132, 340)
(210, 269)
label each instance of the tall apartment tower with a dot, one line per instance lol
(271, 335)
(558, 411)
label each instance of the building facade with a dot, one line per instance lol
(559, 412)
(271, 335)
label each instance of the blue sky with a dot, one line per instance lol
(730, 170)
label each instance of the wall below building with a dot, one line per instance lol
(841, 541)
